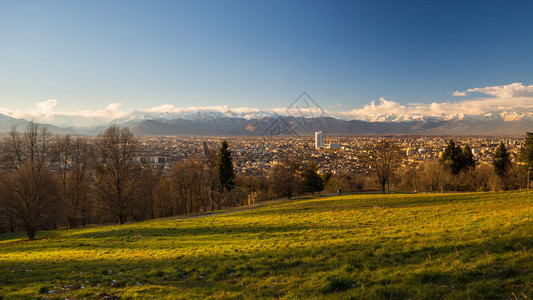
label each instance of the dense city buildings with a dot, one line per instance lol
(256, 155)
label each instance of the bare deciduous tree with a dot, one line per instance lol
(434, 177)
(191, 187)
(30, 193)
(284, 177)
(31, 196)
(74, 167)
(144, 204)
(164, 204)
(385, 159)
(118, 174)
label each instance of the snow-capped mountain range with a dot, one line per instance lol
(193, 115)
(255, 122)
(505, 116)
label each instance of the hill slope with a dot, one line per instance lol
(362, 246)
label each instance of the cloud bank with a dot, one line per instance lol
(513, 99)
(512, 90)
(170, 108)
(43, 112)
(511, 102)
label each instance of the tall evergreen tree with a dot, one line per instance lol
(312, 182)
(501, 160)
(526, 154)
(454, 156)
(468, 161)
(225, 167)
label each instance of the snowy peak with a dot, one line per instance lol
(505, 116)
(206, 121)
(166, 116)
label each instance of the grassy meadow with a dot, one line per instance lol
(424, 246)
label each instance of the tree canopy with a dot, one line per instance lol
(458, 159)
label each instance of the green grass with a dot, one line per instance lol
(432, 246)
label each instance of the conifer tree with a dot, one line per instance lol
(225, 167)
(312, 182)
(501, 160)
(468, 161)
(454, 156)
(526, 154)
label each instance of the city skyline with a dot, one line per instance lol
(358, 60)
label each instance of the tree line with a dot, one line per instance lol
(455, 170)
(49, 182)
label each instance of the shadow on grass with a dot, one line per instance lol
(385, 272)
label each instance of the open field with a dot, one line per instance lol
(360, 246)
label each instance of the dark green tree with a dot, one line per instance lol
(225, 167)
(468, 161)
(453, 155)
(526, 154)
(501, 161)
(312, 182)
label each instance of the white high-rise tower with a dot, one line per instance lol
(318, 139)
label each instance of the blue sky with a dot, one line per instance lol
(262, 54)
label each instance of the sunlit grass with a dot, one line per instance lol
(361, 246)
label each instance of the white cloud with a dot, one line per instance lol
(512, 90)
(384, 106)
(111, 111)
(393, 111)
(43, 108)
(510, 102)
(170, 108)
(4, 111)
(44, 112)
(243, 110)
(516, 98)
(40, 110)
(459, 94)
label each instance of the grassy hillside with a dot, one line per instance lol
(362, 246)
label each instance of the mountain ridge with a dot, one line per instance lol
(260, 124)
